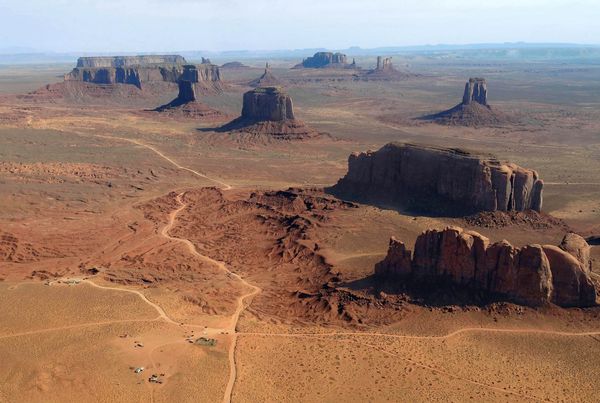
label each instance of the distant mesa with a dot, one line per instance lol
(438, 181)
(268, 79)
(384, 71)
(269, 111)
(128, 61)
(234, 65)
(147, 69)
(465, 261)
(474, 109)
(186, 104)
(322, 60)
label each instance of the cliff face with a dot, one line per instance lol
(137, 70)
(109, 75)
(129, 61)
(475, 91)
(439, 181)
(268, 112)
(532, 275)
(325, 59)
(268, 103)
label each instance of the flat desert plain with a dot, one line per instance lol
(132, 240)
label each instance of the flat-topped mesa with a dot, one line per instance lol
(441, 181)
(532, 275)
(138, 70)
(326, 60)
(267, 104)
(129, 61)
(475, 91)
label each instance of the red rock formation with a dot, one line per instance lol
(532, 275)
(384, 71)
(473, 110)
(269, 111)
(397, 262)
(128, 61)
(326, 60)
(137, 70)
(186, 105)
(475, 91)
(268, 79)
(439, 180)
(577, 246)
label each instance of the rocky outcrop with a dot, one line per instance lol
(108, 75)
(442, 181)
(187, 106)
(267, 103)
(234, 65)
(473, 110)
(398, 261)
(577, 246)
(326, 60)
(137, 70)
(129, 61)
(268, 79)
(475, 91)
(269, 111)
(532, 275)
(384, 71)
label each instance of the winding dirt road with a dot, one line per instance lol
(241, 302)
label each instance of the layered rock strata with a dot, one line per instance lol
(137, 70)
(441, 181)
(326, 60)
(186, 104)
(532, 275)
(269, 111)
(473, 110)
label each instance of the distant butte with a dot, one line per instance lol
(384, 71)
(326, 60)
(474, 109)
(186, 104)
(268, 79)
(269, 111)
(138, 70)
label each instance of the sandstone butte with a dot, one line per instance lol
(269, 111)
(136, 70)
(442, 181)
(533, 275)
(473, 110)
(326, 60)
(187, 105)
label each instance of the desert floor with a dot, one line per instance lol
(125, 236)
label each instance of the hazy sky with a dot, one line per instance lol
(160, 25)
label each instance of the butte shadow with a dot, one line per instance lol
(186, 105)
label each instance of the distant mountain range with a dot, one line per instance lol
(517, 50)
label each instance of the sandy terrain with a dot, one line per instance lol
(120, 227)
